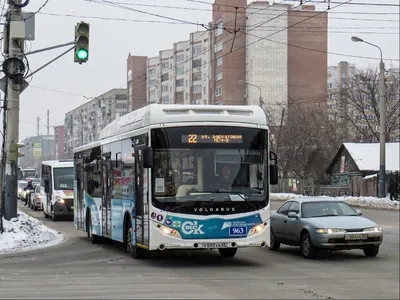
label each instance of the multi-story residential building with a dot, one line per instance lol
(274, 48)
(179, 75)
(84, 123)
(338, 79)
(59, 141)
(137, 81)
(280, 60)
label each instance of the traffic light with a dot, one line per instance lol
(82, 31)
(14, 154)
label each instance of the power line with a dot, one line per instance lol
(249, 7)
(323, 1)
(36, 12)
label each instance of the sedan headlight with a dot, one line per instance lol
(375, 229)
(60, 200)
(330, 230)
(169, 231)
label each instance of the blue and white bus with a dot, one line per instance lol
(178, 177)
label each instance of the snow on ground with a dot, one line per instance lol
(26, 233)
(363, 202)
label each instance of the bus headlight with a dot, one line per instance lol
(60, 200)
(169, 231)
(257, 229)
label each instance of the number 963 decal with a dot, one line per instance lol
(238, 231)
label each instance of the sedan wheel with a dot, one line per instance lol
(274, 243)
(371, 251)
(307, 248)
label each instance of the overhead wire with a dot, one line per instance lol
(123, 4)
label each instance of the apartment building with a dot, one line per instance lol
(260, 49)
(137, 81)
(59, 141)
(83, 124)
(281, 65)
(338, 79)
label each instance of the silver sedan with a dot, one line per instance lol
(323, 223)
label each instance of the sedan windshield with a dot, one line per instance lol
(326, 209)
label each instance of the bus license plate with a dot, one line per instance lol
(214, 245)
(238, 231)
(355, 237)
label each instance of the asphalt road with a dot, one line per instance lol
(78, 269)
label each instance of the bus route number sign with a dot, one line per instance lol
(212, 139)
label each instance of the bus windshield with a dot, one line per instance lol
(63, 178)
(28, 173)
(206, 169)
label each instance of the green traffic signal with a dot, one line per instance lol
(82, 54)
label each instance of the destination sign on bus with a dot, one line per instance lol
(212, 138)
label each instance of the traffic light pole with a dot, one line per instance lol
(12, 132)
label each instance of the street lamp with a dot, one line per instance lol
(382, 112)
(261, 102)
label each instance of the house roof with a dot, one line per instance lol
(366, 156)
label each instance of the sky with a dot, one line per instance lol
(115, 33)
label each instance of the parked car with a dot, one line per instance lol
(323, 223)
(35, 201)
(21, 185)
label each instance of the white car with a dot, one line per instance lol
(35, 201)
(21, 185)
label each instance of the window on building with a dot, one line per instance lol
(187, 96)
(129, 75)
(180, 70)
(197, 50)
(204, 90)
(218, 91)
(164, 65)
(179, 82)
(164, 77)
(130, 92)
(152, 72)
(219, 61)
(218, 47)
(197, 89)
(164, 88)
(152, 93)
(178, 96)
(197, 63)
(152, 83)
(180, 58)
(218, 76)
(197, 76)
(220, 28)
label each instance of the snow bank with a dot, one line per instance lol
(26, 233)
(363, 202)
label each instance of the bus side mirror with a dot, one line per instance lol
(46, 186)
(147, 156)
(273, 168)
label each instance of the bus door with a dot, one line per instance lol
(106, 200)
(49, 189)
(80, 202)
(141, 202)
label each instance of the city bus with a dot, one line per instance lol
(178, 177)
(57, 179)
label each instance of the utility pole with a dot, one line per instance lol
(48, 122)
(382, 120)
(37, 126)
(14, 69)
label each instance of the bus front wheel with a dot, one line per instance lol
(134, 251)
(227, 252)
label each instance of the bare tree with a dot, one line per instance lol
(308, 142)
(358, 105)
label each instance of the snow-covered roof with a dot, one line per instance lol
(366, 156)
